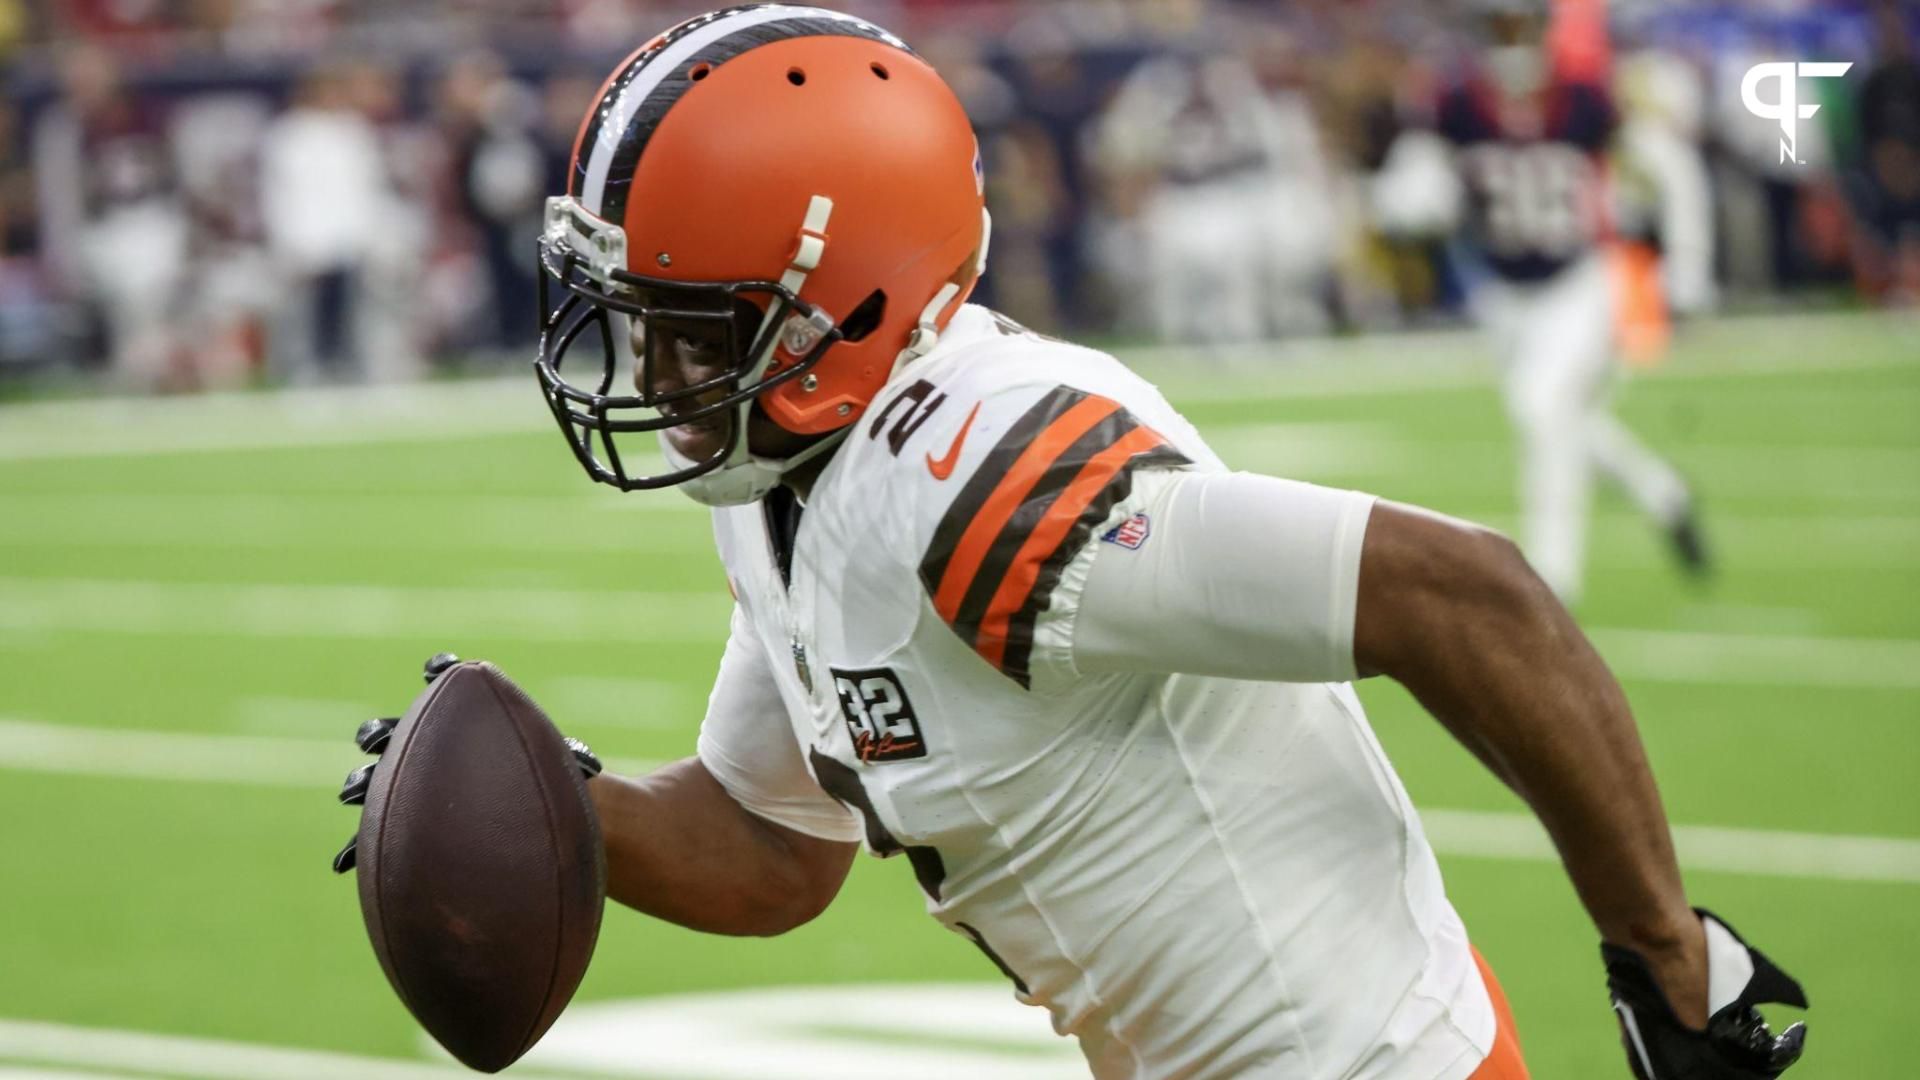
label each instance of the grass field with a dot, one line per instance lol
(200, 599)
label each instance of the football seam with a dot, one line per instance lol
(547, 807)
(380, 880)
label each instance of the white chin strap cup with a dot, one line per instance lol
(926, 331)
(745, 478)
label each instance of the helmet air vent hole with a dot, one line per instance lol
(699, 71)
(796, 77)
(863, 319)
(880, 70)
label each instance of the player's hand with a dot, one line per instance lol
(373, 737)
(1737, 1044)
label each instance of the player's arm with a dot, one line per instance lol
(680, 848)
(1256, 578)
(740, 839)
(1454, 613)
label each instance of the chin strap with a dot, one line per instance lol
(749, 478)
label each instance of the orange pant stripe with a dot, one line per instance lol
(1505, 1063)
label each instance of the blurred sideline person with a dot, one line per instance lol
(1516, 158)
(1224, 183)
(1000, 609)
(1886, 184)
(489, 122)
(112, 227)
(324, 193)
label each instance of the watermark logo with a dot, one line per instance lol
(1786, 107)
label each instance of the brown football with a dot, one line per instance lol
(481, 876)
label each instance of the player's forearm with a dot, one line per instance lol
(680, 849)
(1483, 644)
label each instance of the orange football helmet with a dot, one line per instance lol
(795, 179)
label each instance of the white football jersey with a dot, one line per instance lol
(1199, 877)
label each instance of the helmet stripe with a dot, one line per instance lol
(637, 100)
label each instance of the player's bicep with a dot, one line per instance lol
(1230, 574)
(748, 746)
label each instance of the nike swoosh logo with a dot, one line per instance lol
(943, 468)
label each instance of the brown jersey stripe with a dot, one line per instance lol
(1016, 659)
(1034, 506)
(995, 489)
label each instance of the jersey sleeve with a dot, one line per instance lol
(1227, 574)
(1048, 466)
(746, 743)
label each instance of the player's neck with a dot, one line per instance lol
(803, 476)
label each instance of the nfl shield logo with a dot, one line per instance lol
(800, 665)
(1131, 533)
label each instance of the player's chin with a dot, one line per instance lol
(699, 440)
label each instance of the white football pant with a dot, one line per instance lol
(1555, 341)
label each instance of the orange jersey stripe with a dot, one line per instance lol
(1048, 535)
(994, 514)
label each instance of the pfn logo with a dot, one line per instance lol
(1786, 107)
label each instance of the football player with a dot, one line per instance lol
(1516, 158)
(1002, 611)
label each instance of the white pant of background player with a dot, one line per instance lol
(1555, 340)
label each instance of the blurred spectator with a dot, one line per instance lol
(1888, 184)
(1769, 197)
(1662, 190)
(111, 227)
(1059, 93)
(1228, 185)
(500, 171)
(323, 188)
(230, 292)
(1144, 178)
(27, 333)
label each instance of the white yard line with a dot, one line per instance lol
(194, 757)
(1685, 656)
(1375, 365)
(562, 524)
(1821, 856)
(384, 613)
(331, 416)
(363, 612)
(143, 1054)
(259, 761)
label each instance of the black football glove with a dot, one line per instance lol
(1737, 1045)
(373, 737)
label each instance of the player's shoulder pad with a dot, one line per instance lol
(1004, 454)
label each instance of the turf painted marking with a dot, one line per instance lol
(1383, 365)
(1822, 856)
(413, 613)
(1683, 656)
(262, 761)
(139, 1054)
(931, 1031)
(251, 760)
(362, 612)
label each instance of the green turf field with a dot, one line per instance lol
(200, 599)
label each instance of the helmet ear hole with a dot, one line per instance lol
(880, 70)
(796, 77)
(699, 71)
(863, 319)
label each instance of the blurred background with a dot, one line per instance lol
(268, 440)
(202, 193)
